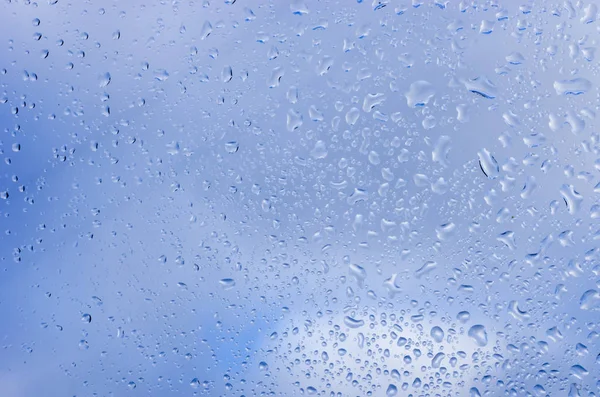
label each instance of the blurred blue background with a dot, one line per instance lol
(239, 198)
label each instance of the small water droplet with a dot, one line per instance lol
(426, 268)
(104, 80)
(488, 164)
(391, 390)
(298, 7)
(590, 300)
(486, 27)
(319, 151)
(206, 30)
(227, 283)
(353, 323)
(437, 334)
(232, 147)
(481, 86)
(161, 75)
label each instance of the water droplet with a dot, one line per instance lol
(357, 196)
(481, 86)
(226, 74)
(371, 101)
(232, 147)
(590, 13)
(439, 154)
(353, 323)
(590, 300)
(227, 283)
(352, 116)
(104, 80)
(437, 334)
(161, 75)
(515, 58)
(479, 334)
(571, 198)
(426, 268)
(298, 7)
(575, 86)
(86, 318)
(319, 151)
(578, 371)
(474, 392)
(275, 79)
(419, 94)
(513, 310)
(445, 231)
(488, 164)
(436, 362)
(294, 120)
(374, 158)
(486, 27)
(206, 30)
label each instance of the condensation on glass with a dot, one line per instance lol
(329, 198)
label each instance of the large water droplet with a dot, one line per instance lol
(294, 120)
(571, 198)
(436, 362)
(437, 334)
(488, 164)
(232, 147)
(479, 335)
(579, 371)
(575, 86)
(206, 30)
(353, 323)
(481, 86)
(391, 390)
(419, 94)
(590, 300)
(298, 7)
(104, 80)
(426, 268)
(486, 27)
(227, 283)
(319, 151)
(515, 58)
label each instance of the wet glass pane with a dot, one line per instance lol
(299, 197)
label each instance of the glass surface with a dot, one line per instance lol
(329, 198)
